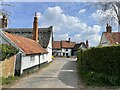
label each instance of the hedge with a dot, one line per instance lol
(103, 62)
(7, 51)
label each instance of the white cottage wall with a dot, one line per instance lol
(30, 61)
(49, 49)
(104, 41)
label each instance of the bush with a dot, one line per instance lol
(104, 63)
(7, 51)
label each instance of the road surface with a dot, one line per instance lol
(61, 73)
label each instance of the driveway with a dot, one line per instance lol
(61, 73)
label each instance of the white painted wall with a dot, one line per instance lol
(3, 41)
(49, 49)
(43, 58)
(57, 52)
(28, 62)
(83, 47)
(69, 51)
(62, 51)
(104, 41)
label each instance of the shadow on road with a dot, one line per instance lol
(68, 74)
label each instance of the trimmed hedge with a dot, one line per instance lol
(103, 62)
(7, 51)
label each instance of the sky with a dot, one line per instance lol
(79, 21)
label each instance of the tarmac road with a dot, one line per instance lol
(61, 73)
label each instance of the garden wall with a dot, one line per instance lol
(8, 66)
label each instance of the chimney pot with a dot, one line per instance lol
(69, 39)
(4, 21)
(108, 28)
(35, 13)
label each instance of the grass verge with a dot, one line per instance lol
(9, 80)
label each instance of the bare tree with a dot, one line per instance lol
(114, 11)
(2, 10)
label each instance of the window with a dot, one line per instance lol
(32, 58)
(66, 49)
(43, 57)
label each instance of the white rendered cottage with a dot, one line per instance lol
(31, 54)
(80, 46)
(42, 35)
(109, 37)
(63, 48)
(35, 50)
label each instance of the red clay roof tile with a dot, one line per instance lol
(63, 44)
(113, 37)
(29, 46)
(56, 45)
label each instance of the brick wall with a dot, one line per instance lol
(7, 67)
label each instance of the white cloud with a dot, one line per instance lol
(61, 37)
(66, 26)
(82, 11)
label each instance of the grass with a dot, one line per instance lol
(9, 80)
(0, 80)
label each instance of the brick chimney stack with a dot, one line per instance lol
(4, 21)
(69, 39)
(108, 28)
(87, 44)
(35, 28)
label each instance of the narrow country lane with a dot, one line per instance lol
(61, 73)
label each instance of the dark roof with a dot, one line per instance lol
(113, 37)
(63, 44)
(77, 46)
(44, 34)
(29, 46)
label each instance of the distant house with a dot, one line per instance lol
(109, 37)
(31, 54)
(79, 46)
(42, 35)
(63, 48)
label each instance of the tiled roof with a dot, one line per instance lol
(44, 34)
(56, 45)
(77, 46)
(27, 45)
(63, 44)
(113, 37)
(67, 44)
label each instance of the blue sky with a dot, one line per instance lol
(78, 21)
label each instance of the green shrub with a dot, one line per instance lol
(7, 51)
(9, 80)
(103, 62)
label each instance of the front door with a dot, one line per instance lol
(18, 64)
